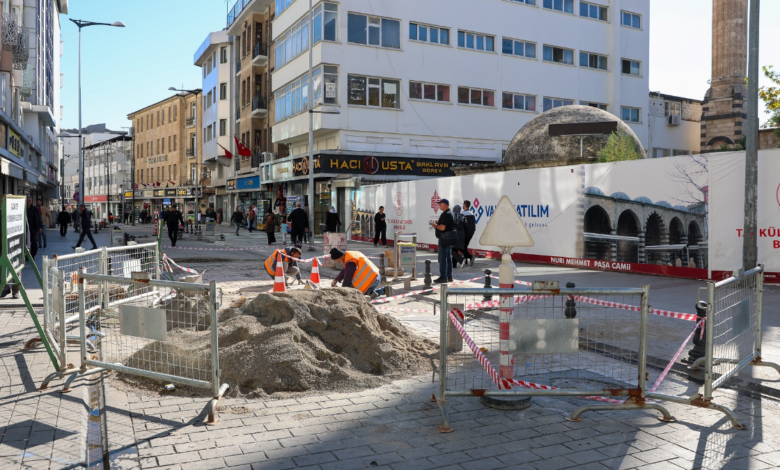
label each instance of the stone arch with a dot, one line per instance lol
(720, 138)
(597, 221)
(677, 232)
(694, 233)
(628, 226)
(656, 234)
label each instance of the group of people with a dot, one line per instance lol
(454, 230)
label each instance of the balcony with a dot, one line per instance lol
(259, 107)
(260, 55)
(190, 152)
(190, 121)
(241, 7)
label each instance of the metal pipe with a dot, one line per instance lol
(539, 393)
(734, 279)
(149, 374)
(82, 188)
(759, 307)
(215, 372)
(443, 319)
(151, 282)
(311, 126)
(522, 290)
(82, 322)
(710, 332)
(642, 379)
(750, 232)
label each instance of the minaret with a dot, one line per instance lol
(724, 108)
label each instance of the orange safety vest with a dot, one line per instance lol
(366, 272)
(270, 263)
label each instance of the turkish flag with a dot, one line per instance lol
(228, 155)
(243, 150)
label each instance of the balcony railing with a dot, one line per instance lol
(259, 102)
(257, 159)
(190, 152)
(190, 121)
(260, 49)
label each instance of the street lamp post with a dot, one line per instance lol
(83, 24)
(195, 92)
(132, 172)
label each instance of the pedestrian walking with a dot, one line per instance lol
(332, 222)
(270, 228)
(308, 216)
(448, 237)
(86, 224)
(380, 227)
(173, 218)
(220, 216)
(251, 215)
(458, 256)
(76, 218)
(469, 227)
(299, 224)
(63, 219)
(35, 223)
(284, 228)
(237, 219)
(46, 222)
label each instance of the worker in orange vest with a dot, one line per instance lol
(289, 265)
(359, 272)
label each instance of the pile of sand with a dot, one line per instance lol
(300, 341)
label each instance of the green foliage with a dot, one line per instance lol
(770, 95)
(620, 147)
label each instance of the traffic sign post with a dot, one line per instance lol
(14, 252)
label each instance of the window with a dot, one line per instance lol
(222, 127)
(373, 31)
(204, 135)
(429, 92)
(672, 109)
(375, 92)
(175, 112)
(661, 153)
(170, 113)
(282, 5)
(630, 19)
(223, 91)
(293, 98)
(629, 114)
(476, 96)
(174, 142)
(631, 67)
(170, 144)
(527, 2)
(601, 106)
(566, 6)
(550, 103)
(479, 42)
(517, 101)
(174, 174)
(593, 61)
(209, 97)
(297, 38)
(223, 55)
(680, 152)
(558, 55)
(425, 33)
(518, 48)
(597, 12)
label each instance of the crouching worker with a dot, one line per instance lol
(289, 265)
(359, 272)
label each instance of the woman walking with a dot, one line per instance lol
(270, 228)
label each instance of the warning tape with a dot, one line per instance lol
(417, 292)
(502, 383)
(522, 283)
(634, 308)
(674, 359)
(497, 303)
(396, 309)
(249, 248)
(168, 261)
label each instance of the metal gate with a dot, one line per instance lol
(165, 331)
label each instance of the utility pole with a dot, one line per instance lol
(750, 230)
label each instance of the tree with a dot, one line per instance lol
(620, 146)
(770, 95)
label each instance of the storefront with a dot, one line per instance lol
(248, 191)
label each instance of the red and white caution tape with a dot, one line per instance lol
(417, 292)
(249, 248)
(674, 359)
(496, 303)
(504, 384)
(634, 308)
(522, 283)
(395, 309)
(308, 260)
(169, 262)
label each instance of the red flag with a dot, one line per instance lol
(243, 150)
(228, 155)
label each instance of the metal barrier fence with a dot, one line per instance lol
(161, 330)
(61, 297)
(539, 341)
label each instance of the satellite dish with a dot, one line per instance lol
(506, 229)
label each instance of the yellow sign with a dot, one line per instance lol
(128, 194)
(15, 143)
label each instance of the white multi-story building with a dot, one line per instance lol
(215, 58)
(445, 81)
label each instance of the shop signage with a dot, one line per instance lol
(149, 193)
(128, 194)
(372, 165)
(15, 144)
(95, 198)
(159, 193)
(231, 185)
(158, 159)
(209, 190)
(252, 183)
(170, 192)
(3, 135)
(114, 198)
(13, 230)
(166, 202)
(281, 170)
(183, 192)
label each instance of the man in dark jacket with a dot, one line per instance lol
(63, 218)
(86, 223)
(380, 226)
(469, 227)
(332, 222)
(299, 224)
(35, 223)
(172, 219)
(74, 216)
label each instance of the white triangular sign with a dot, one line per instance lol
(506, 229)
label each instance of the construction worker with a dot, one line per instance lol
(359, 272)
(289, 265)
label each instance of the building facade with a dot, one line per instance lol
(408, 89)
(215, 58)
(168, 154)
(249, 25)
(674, 126)
(108, 177)
(725, 104)
(30, 110)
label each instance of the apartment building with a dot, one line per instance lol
(674, 126)
(108, 177)
(249, 26)
(30, 110)
(215, 58)
(406, 89)
(168, 157)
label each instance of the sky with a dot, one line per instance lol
(126, 69)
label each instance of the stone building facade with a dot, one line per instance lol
(725, 105)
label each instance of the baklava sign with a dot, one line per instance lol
(13, 208)
(371, 165)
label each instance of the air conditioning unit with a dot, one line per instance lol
(674, 120)
(270, 156)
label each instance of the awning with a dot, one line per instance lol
(7, 167)
(608, 238)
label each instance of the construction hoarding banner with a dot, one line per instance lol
(677, 216)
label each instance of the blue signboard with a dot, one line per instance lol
(252, 183)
